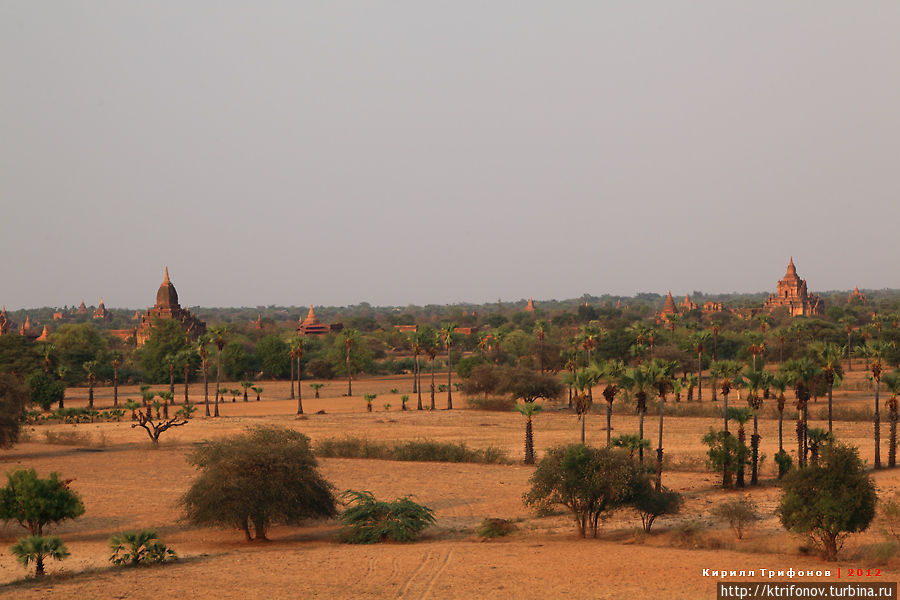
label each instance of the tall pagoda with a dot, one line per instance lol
(167, 307)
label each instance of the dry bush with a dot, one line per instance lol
(492, 528)
(75, 438)
(879, 553)
(492, 404)
(739, 513)
(416, 451)
(689, 533)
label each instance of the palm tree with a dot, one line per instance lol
(847, 322)
(803, 373)
(350, 337)
(298, 347)
(218, 337)
(258, 391)
(116, 363)
(447, 337)
(540, 330)
(589, 337)
(496, 344)
(184, 357)
(612, 372)
(876, 351)
(36, 548)
(171, 361)
(662, 374)
(781, 336)
(756, 346)
(167, 397)
(431, 351)
(715, 326)
(90, 368)
(202, 342)
(528, 410)
(780, 382)
(698, 341)
(62, 371)
(830, 355)
(892, 381)
(416, 347)
(583, 380)
(817, 437)
(369, 398)
(246, 385)
(756, 381)
(741, 415)
(690, 380)
(317, 387)
(725, 371)
(637, 380)
(292, 354)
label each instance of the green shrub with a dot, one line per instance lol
(492, 528)
(139, 547)
(590, 482)
(651, 504)
(369, 521)
(739, 513)
(726, 453)
(45, 390)
(784, 462)
(829, 500)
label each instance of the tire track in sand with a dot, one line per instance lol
(405, 587)
(437, 574)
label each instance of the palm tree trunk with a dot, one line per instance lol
(292, 377)
(608, 423)
(700, 377)
(830, 389)
(449, 373)
(91, 392)
(299, 392)
(218, 379)
(780, 430)
(529, 443)
(115, 387)
(877, 428)
(349, 379)
(583, 419)
(725, 407)
(849, 357)
(726, 480)
(187, 375)
(418, 378)
(206, 386)
(740, 466)
(641, 436)
(892, 449)
(754, 451)
(659, 449)
(432, 384)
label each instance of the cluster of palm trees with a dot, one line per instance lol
(657, 377)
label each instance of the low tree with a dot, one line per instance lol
(13, 397)
(739, 513)
(36, 548)
(246, 385)
(317, 387)
(265, 476)
(45, 390)
(259, 390)
(156, 427)
(651, 504)
(631, 442)
(528, 386)
(369, 398)
(829, 500)
(35, 503)
(528, 410)
(590, 482)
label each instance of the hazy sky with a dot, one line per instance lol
(435, 152)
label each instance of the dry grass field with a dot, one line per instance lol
(127, 485)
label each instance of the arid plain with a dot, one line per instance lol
(126, 485)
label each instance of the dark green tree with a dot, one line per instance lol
(829, 500)
(35, 503)
(260, 478)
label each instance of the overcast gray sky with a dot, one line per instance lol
(435, 152)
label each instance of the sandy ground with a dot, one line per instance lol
(126, 485)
